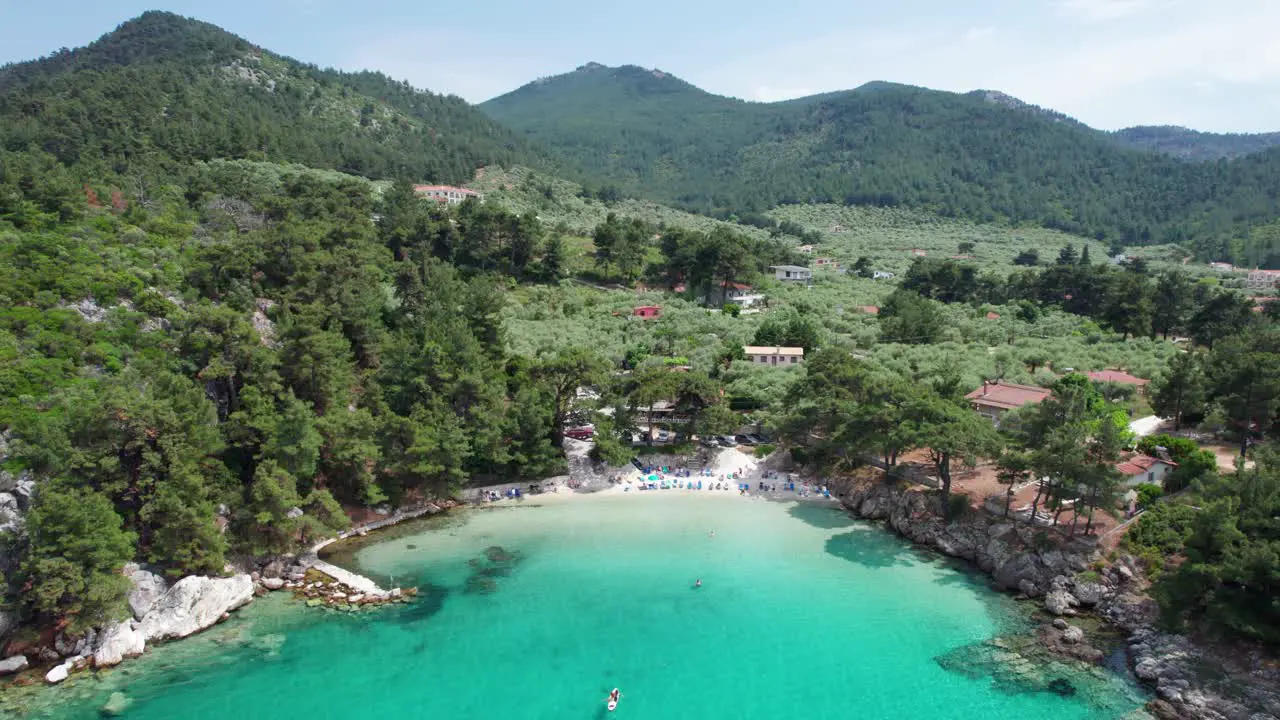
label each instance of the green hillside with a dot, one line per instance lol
(162, 90)
(1188, 144)
(979, 155)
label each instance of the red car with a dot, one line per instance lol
(580, 433)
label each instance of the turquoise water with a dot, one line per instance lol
(802, 614)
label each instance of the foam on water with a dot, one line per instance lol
(537, 611)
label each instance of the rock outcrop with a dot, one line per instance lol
(1005, 550)
(118, 642)
(1015, 558)
(148, 587)
(193, 604)
(11, 665)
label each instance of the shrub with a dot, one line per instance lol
(765, 450)
(1148, 493)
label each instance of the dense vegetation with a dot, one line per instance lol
(1193, 145)
(243, 346)
(215, 343)
(890, 145)
(162, 91)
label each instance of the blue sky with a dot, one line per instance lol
(1111, 63)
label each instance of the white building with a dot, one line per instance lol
(773, 356)
(792, 273)
(883, 275)
(446, 193)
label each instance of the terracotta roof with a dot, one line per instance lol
(1007, 396)
(870, 309)
(1139, 464)
(761, 350)
(1116, 376)
(993, 316)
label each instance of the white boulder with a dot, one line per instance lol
(118, 642)
(147, 588)
(193, 604)
(60, 672)
(14, 664)
(272, 583)
(1060, 602)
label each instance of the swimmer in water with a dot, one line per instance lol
(712, 533)
(698, 584)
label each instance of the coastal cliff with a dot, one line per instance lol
(1071, 579)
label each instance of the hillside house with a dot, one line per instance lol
(740, 294)
(1222, 266)
(917, 252)
(870, 309)
(1263, 279)
(806, 249)
(1144, 469)
(1119, 378)
(826, 263)
(882, 275)
(773, 356)
(446, 193)
(792, 273)
(993, 400)
(647, 312)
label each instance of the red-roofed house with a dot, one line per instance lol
(647, 312)
(1117, 377)
(446, 193)
(1141, 469)
(918, 252)
(870, 309)
(993, 400)
(993, 316)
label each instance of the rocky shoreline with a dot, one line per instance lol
(162, 611)
(1073, 580)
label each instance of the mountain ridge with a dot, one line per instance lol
(982, 155)
(166, 89)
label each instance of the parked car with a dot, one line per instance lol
(744, 439)
(663, 436)
(586, 432)
(757, 439)
(707, 441)
(727, 441)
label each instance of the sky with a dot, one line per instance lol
(1206, 64)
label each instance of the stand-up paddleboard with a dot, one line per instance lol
(613, 699)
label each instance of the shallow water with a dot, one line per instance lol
(538, 610)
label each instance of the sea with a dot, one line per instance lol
(539, 608)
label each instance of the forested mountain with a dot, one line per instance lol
(163, 90)
(979, 155)
(1189, 144)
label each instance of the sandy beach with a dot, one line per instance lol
(731, 473)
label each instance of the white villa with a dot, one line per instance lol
(792, 273)
(763, 355)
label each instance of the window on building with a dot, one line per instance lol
(1151, 476)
